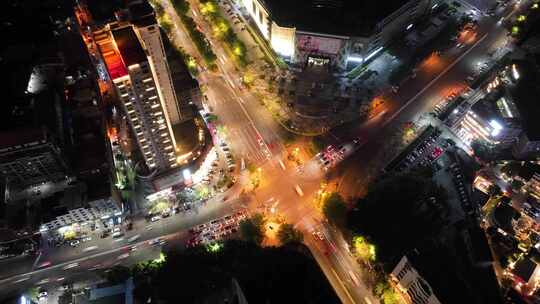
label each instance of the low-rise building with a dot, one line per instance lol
(414, 288)
(526, 275)
(104, 210)
(30, 157)
(493, 121)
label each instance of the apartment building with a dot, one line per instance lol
(130, 69)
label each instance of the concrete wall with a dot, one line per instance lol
(260, 15)
(283, 40)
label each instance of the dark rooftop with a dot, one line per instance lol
(21, 136)
(142, 13)
(103, 10)
(129, 46)
(525, 95)
(335, 17)
(524, 269)
(527, 170)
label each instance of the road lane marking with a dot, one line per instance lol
(434, 80)
(343, 285)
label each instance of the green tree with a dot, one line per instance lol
(482, 149)
(66, 297)
(363, 249)
(516, 184)
(398, 213)
(182, 6)
(288, 234)
(118, 274)
(252, 229)
(334, 209)
(317, 144)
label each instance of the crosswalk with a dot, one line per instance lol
(252, 145)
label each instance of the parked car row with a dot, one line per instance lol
(425, 153)
(460, 187)
(531, 210)
(216, 229)
(228, 157)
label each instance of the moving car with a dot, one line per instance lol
(298, 190)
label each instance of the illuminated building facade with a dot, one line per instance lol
(411, 284)
(144, 23)
(332, 31)
(138, 87)
(496, 123)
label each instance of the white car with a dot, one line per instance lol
(75, 243)
(155, 218)
(42, 295)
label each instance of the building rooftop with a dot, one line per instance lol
(17, 137)
(111, 56)
(142, 13)
(527, 170)
(525, 95)
(524, 269)
(103, 10)
(334, 17)
(129, 46)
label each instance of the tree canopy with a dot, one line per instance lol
(252, 229)
(288, 234)
(398, 213)
(286, 274)
(482, 149)
(334, 209)
(118, 274)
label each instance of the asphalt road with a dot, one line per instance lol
(414, 98)
(255, 136)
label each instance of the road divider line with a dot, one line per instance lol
(434, 80)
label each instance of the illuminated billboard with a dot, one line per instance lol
(317, 44)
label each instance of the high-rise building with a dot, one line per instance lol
(29, 157)
(144, 22)
(140, 83)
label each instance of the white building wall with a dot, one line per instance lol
(139, 95)
(260, 15)
(283, 40)
(150, 38)
(397, 22)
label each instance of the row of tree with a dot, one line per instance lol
(198, 38)
(252, 230)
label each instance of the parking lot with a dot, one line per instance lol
(216, 230)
